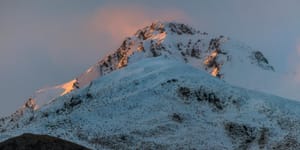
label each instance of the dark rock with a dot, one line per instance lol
(177, 117)
(184, 92)
(288, 143)
(244, 135)
(210, 97)
(261, 60)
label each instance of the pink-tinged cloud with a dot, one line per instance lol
(118, 22)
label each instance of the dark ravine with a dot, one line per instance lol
(38, 142)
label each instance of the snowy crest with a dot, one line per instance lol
(220, 56)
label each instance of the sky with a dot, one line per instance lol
(45, 43)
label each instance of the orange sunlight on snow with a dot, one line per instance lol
(68, 87)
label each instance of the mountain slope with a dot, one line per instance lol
(163, 103)
(220, 56)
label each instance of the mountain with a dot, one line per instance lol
(40, 142)
(163, 103)
(230, 60)
(169, 86)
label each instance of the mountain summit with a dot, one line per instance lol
(168, 86)
(181, 42)
(220, 56)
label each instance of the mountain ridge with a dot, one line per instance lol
(163, 87)
(175, 40)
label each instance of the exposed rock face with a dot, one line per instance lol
(38, 142)
(261, 60)
(31, 104)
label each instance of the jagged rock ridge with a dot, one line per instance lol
(173, 40)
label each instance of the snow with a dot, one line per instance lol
(46, 95)
(186, 44)
(168, 86)
(138, 104)
(68, 87)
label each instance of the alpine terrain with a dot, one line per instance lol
(169, 86)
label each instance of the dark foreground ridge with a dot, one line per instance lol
(38, 142)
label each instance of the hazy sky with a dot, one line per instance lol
(43, 43)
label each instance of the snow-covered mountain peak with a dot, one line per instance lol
(158, 30)
(183, 43)
(162, 88)
(218, 55)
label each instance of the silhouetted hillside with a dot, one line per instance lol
(40, 142)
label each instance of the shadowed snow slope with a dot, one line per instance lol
(163, 103)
